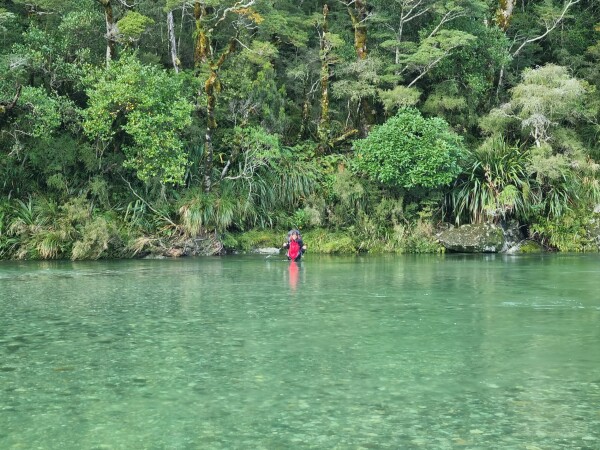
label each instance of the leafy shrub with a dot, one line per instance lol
(410, 151)
(567, 233)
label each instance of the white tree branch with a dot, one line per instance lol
(549, 27)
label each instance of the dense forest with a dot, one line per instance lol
(130, 127)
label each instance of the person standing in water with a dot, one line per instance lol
(295, 246)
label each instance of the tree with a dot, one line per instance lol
(410, 151)
(545, 110)
(419, 35)
(546, 99)
(545, 16)
(208, 62)
(141, 110)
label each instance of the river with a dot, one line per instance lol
(252, 352)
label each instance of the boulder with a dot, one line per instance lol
(512, 235)
(473, 238)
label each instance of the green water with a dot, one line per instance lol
(409, 352)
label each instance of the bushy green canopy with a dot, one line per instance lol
(146, 104)
(410, 151)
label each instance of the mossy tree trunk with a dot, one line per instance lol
(358, 16)
(212, 85)
(504, 13)
(111, 30)
(305, 116)
(201, 44)
(323, 129)
(357, 10)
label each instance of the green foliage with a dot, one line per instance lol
(446, 100)
(410, 151)
(495, 184)
(80, 31)
(530, 247)
(254, 239)
(300, 219)
(132, 25)
(265, 196)
(142, 109)
(360, 81)
(548, 97)
(95, 239)
(42, 113)
(321, 240)
(399, 97)
(214, 211)
(434, 48)
(42, 229)
(347, 198)
(253, 96)
(444, 57)
(463, 85)
(6, 19)
(415, 237)
(547, 104)
(566, 233)
(250, 149)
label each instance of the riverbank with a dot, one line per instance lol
(108, 242)
(346, 242)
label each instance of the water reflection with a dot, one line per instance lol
(293, 274)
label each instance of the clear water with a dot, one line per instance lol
(415, 352)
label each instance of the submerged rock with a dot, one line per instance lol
(266, 251)
(526, 246)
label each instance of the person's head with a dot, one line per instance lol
(294, 236)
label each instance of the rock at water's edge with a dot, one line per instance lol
(473, 238)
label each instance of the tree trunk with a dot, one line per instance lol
(111, 30)
(212, 86)
(5, 107)
(201, 57)
(201, 45)
(504, 13)
(358, 15)
(323, 128)
(172, 41)
(204, 55)
(305, 115)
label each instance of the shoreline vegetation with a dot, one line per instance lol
(190, 127)
(100, 244)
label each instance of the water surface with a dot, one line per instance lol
(248, 352)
